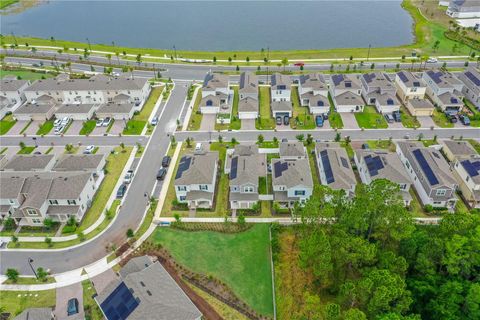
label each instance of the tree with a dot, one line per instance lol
(309, 139)
(241, 220)
(122, 146)
(300, 137)
(42, 274)
(48, 223)
(21, 145)
(130, 233)
(233, 141)
(139, 58)
(247, 59)
(214, 59)
(220, 139)
(260, 139)
(48, 241)
(177, 217)
(436, 45)
(338, 137)
(14, 239)
(9, 223)
(69, 148)
(189, 142)
(237, 68)
(229, 59)
(354, 314)
(12, 274)
(81, 236)
(372, 66)
(173, 141)
(109, 58)
(284, 63)
(275, 140)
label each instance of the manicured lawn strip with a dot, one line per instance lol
(6, 124)
(268, 144)
(149, 104)
(408, 120)
(3, 150)
(381, 144)
(15, 302)
(148, 219)
(235, 122)
(134, 127)
(475, 145)
(26, 150)
(196, 117)
(441, 120)
(370, 119)
(45, 128)
(265, 184)
(92, 311)
(26, 127)
(30, 280)
(303, 119)
(475, 120)
(88, 127)
(28, 231)
(428, 143)
(334, 117)
(349, 149)
(27, 74)
(265, 121)
(110, 126)
(6, 3)
(230, 259)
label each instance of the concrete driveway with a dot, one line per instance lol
(63, 295)
(74, 129)
(396, 125)
(10, 152)
(208, 122)
(33, 128)
(426, 122)
(99, 131)
(17, 128)
(117, 127)
(248, 124)
(349, 121)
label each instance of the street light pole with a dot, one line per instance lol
(30, 260)
(368, 55)
(89, 45)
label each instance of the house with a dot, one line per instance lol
(244, 166)
(248, 108)
(217, 97)
(214, 83)
(98, 89)
(313, 91)
(381, 164)
(430, 173)
(248, 86)
(116, 110)
(386, 103)
(292, 182)
(195, 179)
(82, 162)
(30, 162)
(145, 290)
(281, 109)
(280, 87)
(409, 86)
(378, 89)
(12, 93)
(346, 90)
(292, 150)
(334, 167)
(36, 314)
(419, 107)
(456, 148)
(445, 90)
(41, 109)
(471, 88)
(464, 9)
(466, 169)
(81, 112)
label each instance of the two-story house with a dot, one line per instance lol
(292, 181)
(456, 148)
(471, 88)
(41, 109)
(346, 90)
(280, 87)
(334, 168)
(430, 173)
(248, 86)
(381, 164)
(195, 179)
(445, 90)
(464, 9)
(409, 86)
(378, 89)
(217, 97)
(244, 166)
(30, 162)
(11, 94)
(313, 91)
(466, 170)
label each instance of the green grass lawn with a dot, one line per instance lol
(475, 120)
(92, 311)
(26, 127)
(6, 124)
(88, 127)
(134, 127)
(335, 119)
(268, 144)
(30, 280)
(15, 302)
(441, 120)
(241, 260)
(370, 119)
(381, 144)
(139, 121)
(196, 117)
(475, 144)
(235, 122)
(303, 120)
(265, 185)
(408, 120)
(26, 150)
(45, 128)
(26, 74)
(265, 121)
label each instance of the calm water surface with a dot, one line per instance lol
(218, 25)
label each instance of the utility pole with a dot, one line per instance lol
(89, 45)
(175, 52)
(268, 63)
(368, 55)
(14, 39)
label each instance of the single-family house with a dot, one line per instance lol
(430, 173)
(11, 92)
(116, 110)
(217, 97)
(471, 88)
(386, 103)
(445, 90)
(382, 164)
(36, 313)
(40, 109)
(248, 108)
(244, 166)
(456, 148)
(409, 86)
(313, 91)
(464, 9)
(379, 90)
(82, 162)
(282, 108)
(346, 90)
(30, 162)
(81, 112)
(292, 181)
(419, 107)
(466, 169)
(248, 86)
(215, 82)
(195, 179)
(280, 87)
(334, 168)
(292, 150)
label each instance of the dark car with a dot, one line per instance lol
(121, 191)
(166, 161)
(72, 306)
(325, 116)
(452, 118)
(286, 120)
(161, 174)
(284, 140)
(396, 115)
(319, 121)
(464, 119)
(279, 120)
(365, 146)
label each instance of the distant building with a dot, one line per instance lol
(464, 9)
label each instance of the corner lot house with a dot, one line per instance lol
(281, 87)
(216, 94)
(464, 9)
(195, 179)
(248, 108)
(430, 174)
(471, 88)
(313, 91)
(409, 86)
(445, 90)
(292, 181)
(419, 107)
(40, 109)
(334, 168)
(292, 151)
(244, 166)
(456, 148)
(381, 164)
(11, 94)
(378, 89)
(281, 109)
(248, 86)
(145, 290)
(346, 90)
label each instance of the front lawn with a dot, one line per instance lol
(45, 128)
(334, 117)
(235, 122)
(475, 145)
(196, 117)
(240, 260)
(441, 120)
(265, 121)
(369, 118)
(15, 302)
(6, 124)
(139, 120)
(88, 127)
(134, 127)
(26, 150)
(381, 144)
(92, 311)
(303, 120)
(408, 120)
(475, 119)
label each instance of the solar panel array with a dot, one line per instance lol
(119, 304)
(436, 76)
(327, 168)
(427, 170)
(337, 79)
(279, 167)
(473, 78)
(374, 164)
(369, 77)
(402, 76)
(234, 168)
(183, 166)
(472, 168)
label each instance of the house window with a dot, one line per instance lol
(182, 198)
(203, 187)
(403, 186)
(53, 201)
(182, 188)
(441, 192)
(71, 202)
(37, 221)
(31, 212)
(299, 192)
(248, 189)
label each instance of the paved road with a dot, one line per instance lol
(75, 140)
(129, 215)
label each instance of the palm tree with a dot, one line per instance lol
(118, 56)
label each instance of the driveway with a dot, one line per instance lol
(11, 151)
(99, 131)
(74, 129)
(208, 122)
(396, 125)
(17, 128)
(33, 128)
(117, 127)
(248, 124)
(426, 122)
(349, 121)
(63, 295)
(283, 127)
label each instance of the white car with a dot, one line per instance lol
(99, 122)
(59, 129)
(65, 121)
(128, 177)
(57, 122)
(432, 60)
(89, 149)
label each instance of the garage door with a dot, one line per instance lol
(247, 115)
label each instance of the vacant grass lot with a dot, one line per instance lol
(265, 121)
(370, 119)
(45, 128)
(26, 74)
(15, 302)
(6, 124)
(408, 120)
(88, 127)
(301, 114)
(241, 260)
(441, 120)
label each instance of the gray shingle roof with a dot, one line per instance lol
(410, 80)
(7, 85)
(420, 104)
(78, 162)
(392, 170)
(214, 81)
(35, 314)
(28, 162)
(343, 176)
(246, 165)
(201, 169)
(313, 81)
(115, 108)
(316, 100)
(97, 83)
(76, 108)
(248, 83)
(377, 79)
(348, 99)
(297, 173)
(135, 265)
(443, 79)
(35, 108)
(278, 79)
(248, 105)
(459, 148)
(292, 149)
(281, 106)
(340, 81)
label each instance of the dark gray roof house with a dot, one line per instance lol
(36, 314)
(248, 85)
(30, 162)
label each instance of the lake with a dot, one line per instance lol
(217, 25)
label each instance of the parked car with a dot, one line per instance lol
(65, 121)
(89, 149)
(166, 161)
(121, 191)
(154, 121)
(396, 115)
(319, 121)
(128, 177)
(284, 140)
(57, 122)
(37, 152)
(99, 122)
(452, 118)
(286, 120)
(325, 116)
(161, 174)
(72, 307)
(58, 130)
(198, 147)
(365, 146)
(389, 118)
(278, 120)
(464, 119)
(432, 60)
(106, 122)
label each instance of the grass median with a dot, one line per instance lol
(196, 117)
(6, 124)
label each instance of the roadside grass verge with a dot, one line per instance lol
(441, 120)
(139, 120)
(408, 120)
(381, 144)
(196, 117)
(134, 127)
(6, 3)
(265, 120)
(303, 120)
(6, 124)
(88, 127)
(475, 144)
(30, 280)
(45, 128)
(369, 118)
(26, 150)
(92, 311)
(230, 260)
(27, 74)
(475, 120)
(14, 302)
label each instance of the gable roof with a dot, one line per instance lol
(248, 104)
(248, 83)
(94, 83)
(279, 80)
(345, 81)
(383, 164)
(336, 164)
(196, 168)
(29, 162)
(291, 173)
(79, 162)
(459, 148)
(7, 85)
(377, 79)
(409, 79)
(313, 81)
(443, 79)
(246, 165)
(292, 149)
(214, 81)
